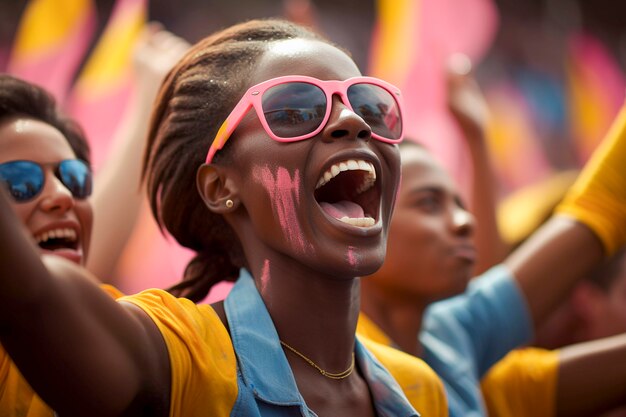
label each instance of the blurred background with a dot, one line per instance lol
(552, 71)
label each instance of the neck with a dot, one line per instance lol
(313, 313)
(398, 316)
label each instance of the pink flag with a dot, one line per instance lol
(52, 38)
(104, 87)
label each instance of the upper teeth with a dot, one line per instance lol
(350, 165)
(68, 234)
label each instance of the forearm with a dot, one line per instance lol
(551, 261)
(592, 377)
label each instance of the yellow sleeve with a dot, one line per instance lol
(522, 384)
(597, 198)
(202, 359)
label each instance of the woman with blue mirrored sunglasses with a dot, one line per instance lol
(26, 179)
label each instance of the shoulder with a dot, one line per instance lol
(202, 358)
(180, 317)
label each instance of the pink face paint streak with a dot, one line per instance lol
(265, 275)
(285, 193)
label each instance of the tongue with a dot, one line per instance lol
(342, 209)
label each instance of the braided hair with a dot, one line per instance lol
(194, 100)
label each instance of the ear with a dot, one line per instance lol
(216, 187)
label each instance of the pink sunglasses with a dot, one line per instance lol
(295, 107)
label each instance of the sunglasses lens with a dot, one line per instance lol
(76, 176)
(294, 109)
(378, 108)
(23, 179)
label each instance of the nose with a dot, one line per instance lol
(463, 222)
(344, 123)
(56, 197)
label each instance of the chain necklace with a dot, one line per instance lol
(340, 375)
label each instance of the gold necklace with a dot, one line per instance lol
(340, 375)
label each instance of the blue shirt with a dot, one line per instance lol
(465, 335)
(266, 385)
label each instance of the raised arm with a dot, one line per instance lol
(118, 195)
(469, 109)
(81, 351)
(590, 223)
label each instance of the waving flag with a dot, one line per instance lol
(103, 89)
(51, 41)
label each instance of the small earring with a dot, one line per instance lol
(229, 203)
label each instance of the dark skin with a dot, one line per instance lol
(311, 292)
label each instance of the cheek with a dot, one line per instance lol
(283, 189)
(24, 212)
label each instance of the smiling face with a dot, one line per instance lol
(58, 222)
(430, 251)
(325, 201)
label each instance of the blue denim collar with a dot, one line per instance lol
(264, 367)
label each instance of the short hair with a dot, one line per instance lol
(19, 98)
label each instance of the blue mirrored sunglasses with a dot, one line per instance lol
(26, 179)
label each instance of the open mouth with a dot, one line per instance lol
(347, 192)
(58, 239)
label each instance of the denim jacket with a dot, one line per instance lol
(266, 385)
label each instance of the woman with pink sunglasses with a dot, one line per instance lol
(276, 161)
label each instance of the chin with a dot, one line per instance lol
(353, 263)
